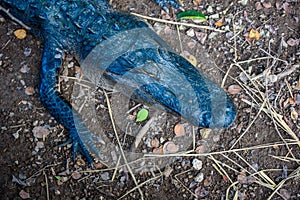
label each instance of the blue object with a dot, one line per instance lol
(140, 65)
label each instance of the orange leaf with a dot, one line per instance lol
(219, 23)
(20, 33)
(254, 34)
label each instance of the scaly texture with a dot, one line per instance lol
(150, 70)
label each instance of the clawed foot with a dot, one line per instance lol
(79, 145)
(163, 4)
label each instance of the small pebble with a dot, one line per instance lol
(29, 91)
(179, 130)
(76, 175)
(170, 147)
(27, 52)
(199, 178)
(234, 89)
(197, 164)
(40, 132)
(24, 195)
(155, 143)
(105, 176)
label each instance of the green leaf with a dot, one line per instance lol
(57, 177)
(142, 115)
(191, 14)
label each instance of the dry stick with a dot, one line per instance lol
(225, 151)
(262, 174)
(178, 23)
(15, 19)
(121, 149)
(47, 185)
(249, 126)
(276, 128)
(183, 184)
(286, 159)
(140, 185)
(278, 119)
(294, 174)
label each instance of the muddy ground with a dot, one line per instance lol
(257, 157)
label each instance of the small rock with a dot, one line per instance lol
(197, 164)
(191, 32)
(199, 178)
(209, 9)
(157, 151)
(24, 195)
(201, 37)
(243, 2)
(212, 35)
(179, 130)
(105, 176)
(40, 132)
(76, 175)
(216, 138)
(285, 193)
(16, 135)
(170, 147)
(234, 89)
(27, 52)
(40, 145)
(155, 143)
(258, 6)
(215, 16)
(24, 69)
(29, 91)
(293, 42)
(267, 4)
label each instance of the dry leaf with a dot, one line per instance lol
(254, 34)
(219, 23)
(20, 33)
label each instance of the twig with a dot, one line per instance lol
(14, 18)
(178, 23)
(120, 146)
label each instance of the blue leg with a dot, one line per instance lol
(163, 4)
(62, 112)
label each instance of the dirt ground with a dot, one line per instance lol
(255, 57)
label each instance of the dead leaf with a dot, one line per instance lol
(219, 23)
(20, 33)
(254, 34)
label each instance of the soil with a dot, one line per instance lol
(264, 162)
